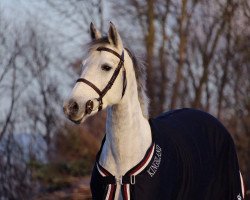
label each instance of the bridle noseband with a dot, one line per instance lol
(102, 93)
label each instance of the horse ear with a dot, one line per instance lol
(94, 33)
(113, 35)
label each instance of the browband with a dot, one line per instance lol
(90, 103)
(111, 51)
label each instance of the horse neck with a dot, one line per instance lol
(128, 134)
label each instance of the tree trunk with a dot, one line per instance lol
(150, 41)
(182, 50)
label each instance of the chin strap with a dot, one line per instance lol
(90, 103)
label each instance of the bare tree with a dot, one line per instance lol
(14, 171)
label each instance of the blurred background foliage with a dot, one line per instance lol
(197, 54)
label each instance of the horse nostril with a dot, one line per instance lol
(74, 107)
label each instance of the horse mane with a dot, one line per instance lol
(140, 73)
(141, 77)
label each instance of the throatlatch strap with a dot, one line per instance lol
(124, 82)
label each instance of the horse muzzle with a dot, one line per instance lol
(75, 112)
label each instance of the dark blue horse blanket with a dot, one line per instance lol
(192, 157)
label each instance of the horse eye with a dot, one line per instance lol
(106, 67)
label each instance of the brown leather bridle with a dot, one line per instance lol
(90, 104)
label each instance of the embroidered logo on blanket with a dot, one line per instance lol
(156, 163)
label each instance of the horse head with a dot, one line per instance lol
(103, 79)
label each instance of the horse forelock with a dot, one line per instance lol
(140, 73)
(98, 42)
